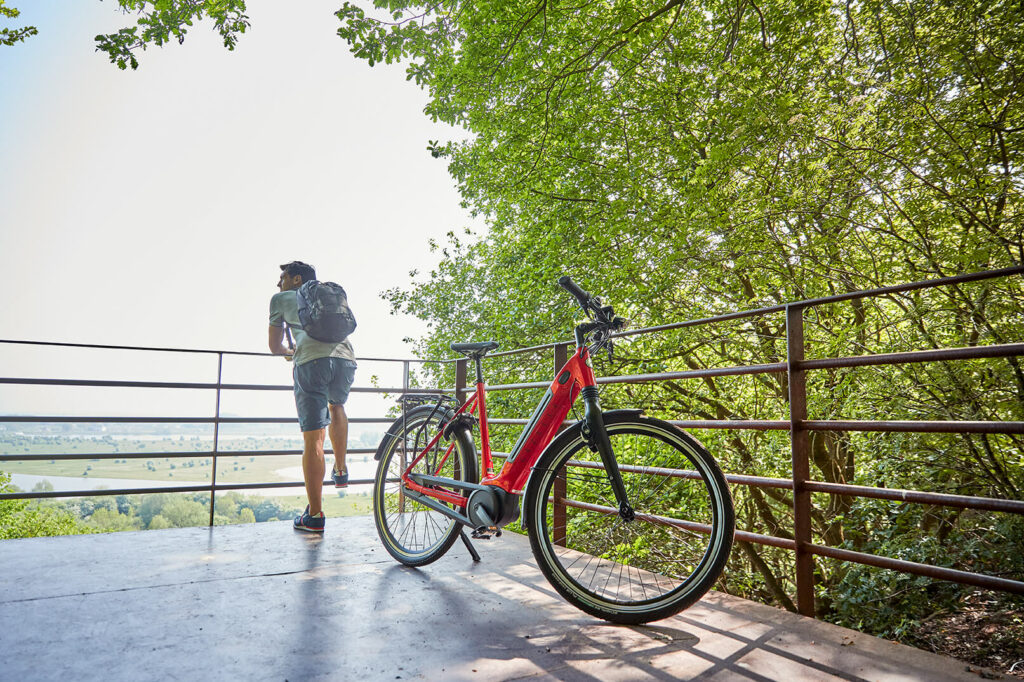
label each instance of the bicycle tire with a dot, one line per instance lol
(647, 569)
(412, 533)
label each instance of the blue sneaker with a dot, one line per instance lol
(340, 480)
(314, 524)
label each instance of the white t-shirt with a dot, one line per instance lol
(284, 308)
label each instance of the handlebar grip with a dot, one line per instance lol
(582, 296)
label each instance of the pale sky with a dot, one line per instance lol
(153, 207)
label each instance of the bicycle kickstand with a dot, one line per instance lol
(469, 545)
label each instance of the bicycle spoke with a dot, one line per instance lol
(649, 562)
(412, 532)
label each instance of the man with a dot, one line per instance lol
(323, 375)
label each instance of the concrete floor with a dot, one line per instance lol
(263, 602)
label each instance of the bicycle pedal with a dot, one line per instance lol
(485, 533)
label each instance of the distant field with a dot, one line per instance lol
(231, 468)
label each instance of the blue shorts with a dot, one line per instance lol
(318, 383)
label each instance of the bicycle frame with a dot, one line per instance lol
(539, 431)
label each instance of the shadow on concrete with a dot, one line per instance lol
(265, 602)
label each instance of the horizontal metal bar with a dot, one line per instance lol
(917, 497)
(101, 346)
(704, 528)
(913, 426)
(738, 424)
(169, 489)
(973, 352)
(912, 286)
(769, 368)
(756, 481)
(166, 455)
(95, 383)
(26, 381)
(515, 387)
(828, 425)
(970, 353)
(770, 540)
(953, 575)
(529, 349)
(775, 367)
(518, 422)
(963, 577)
(22, 419)
(910, 496)
(807, 303)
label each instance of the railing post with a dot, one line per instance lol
(461, 370)
(800, 441)
(216, 436)
(406, 365)
(559, 493)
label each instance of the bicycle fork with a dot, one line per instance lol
(596, 435)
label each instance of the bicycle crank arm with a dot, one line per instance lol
(437, 506)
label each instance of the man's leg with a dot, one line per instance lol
(338, 430)
(313, 468)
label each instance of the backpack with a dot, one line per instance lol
(323, 311)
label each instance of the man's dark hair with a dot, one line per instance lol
(297, 267)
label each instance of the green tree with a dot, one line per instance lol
(689, 160)
(22, 519)
(161, 21)
(158, 522)
(111, 520)
(10, 36)
(182, 512)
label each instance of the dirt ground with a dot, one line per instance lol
(988, 630)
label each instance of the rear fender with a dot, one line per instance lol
(459, 431)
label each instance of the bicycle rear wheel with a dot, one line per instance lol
(413, 533)
(646, 569)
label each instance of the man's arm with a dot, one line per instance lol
(276, 341)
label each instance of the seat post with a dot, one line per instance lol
(479, 369)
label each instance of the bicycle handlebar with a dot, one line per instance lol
(604, 319)
(581, 296)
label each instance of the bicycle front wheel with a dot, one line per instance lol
(645, 569)
(413, 533)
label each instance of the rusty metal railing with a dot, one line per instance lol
(799, 426)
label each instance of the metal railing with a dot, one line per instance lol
(216, 420)
(795, 369)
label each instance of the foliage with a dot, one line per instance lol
(20, 519)
(10, 36)
(24, 518)
(160, 21)
(689, 160)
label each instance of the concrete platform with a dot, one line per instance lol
(263, 602)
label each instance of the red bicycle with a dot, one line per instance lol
(629, 518)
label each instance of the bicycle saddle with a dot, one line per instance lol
(475, 349)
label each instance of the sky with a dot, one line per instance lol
(153, 207)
